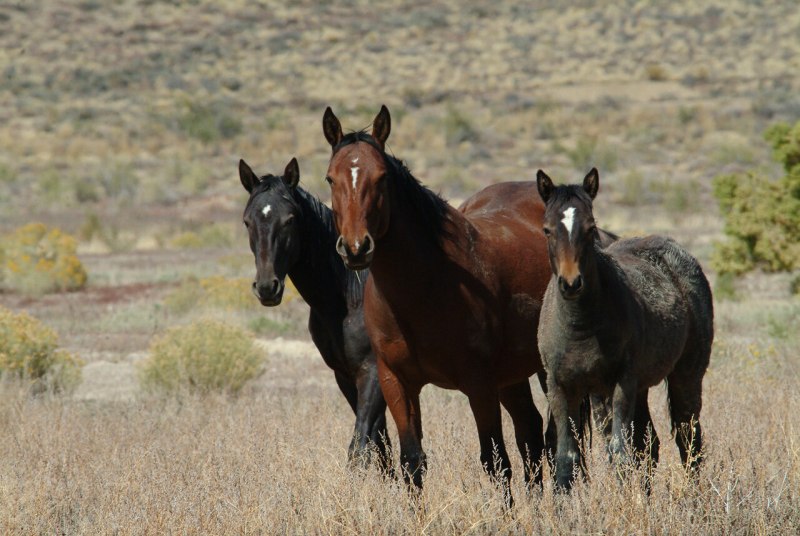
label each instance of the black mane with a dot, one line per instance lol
(430, 208)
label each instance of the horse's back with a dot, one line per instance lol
(684, 274)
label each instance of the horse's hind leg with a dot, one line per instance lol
(485, 405)
(403, 402)
(518, 401)
(685, 403)
(645, 439)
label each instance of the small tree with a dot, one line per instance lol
(762, 216)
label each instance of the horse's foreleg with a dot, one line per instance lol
(350, 392)
(371, 417)
(566, 410)
(485, 404)
(518, 402)
(550, 434)
(623, 406)
(403, 402)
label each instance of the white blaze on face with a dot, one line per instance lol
(569, 220)
(265, 211)
(354, 173)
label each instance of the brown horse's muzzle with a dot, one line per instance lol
(357, 255)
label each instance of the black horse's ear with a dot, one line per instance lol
(381, 126)
(331, 127)
(249, 179)
(291, 175)
(591, 183)
(545, 185)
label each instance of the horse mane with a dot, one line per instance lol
(429, 207)
(321, 235)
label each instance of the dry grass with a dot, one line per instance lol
(273, 461)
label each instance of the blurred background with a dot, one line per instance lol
(122, 123)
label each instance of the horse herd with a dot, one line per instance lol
(405, 290)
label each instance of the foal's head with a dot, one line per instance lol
(272, 220)
(359, 190)
(570, 229)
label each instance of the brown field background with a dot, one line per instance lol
(122, 122)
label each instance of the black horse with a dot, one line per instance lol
(615, 322)
(292, 233)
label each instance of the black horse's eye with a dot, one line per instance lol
(247, 224)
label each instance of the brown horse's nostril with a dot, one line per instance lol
(340, 248)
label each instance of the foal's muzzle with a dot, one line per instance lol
(570, 290)
(269, 292)
(358, 255)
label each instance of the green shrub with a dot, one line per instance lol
(205, 236)
(588, 153)
(203, 357)
(36, 260)
(208, 122)
(762, 216)
(458, 128)
(28, 351)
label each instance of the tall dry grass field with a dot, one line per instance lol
(122, 123)
(272, 461)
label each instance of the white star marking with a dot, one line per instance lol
(265, 210)
(569, 220)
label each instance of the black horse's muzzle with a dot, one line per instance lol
(269, 292)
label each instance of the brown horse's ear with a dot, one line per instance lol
(331, 127)
(381, 126)
(591, 183)
(544, 184)
(291, 175)
(249, 179)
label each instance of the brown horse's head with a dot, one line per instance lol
(357, 176)
(570, 229)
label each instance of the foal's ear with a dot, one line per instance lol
(249, 179)
(591, 183)
(381, 126)
(291, 175)
(545, 185)
(331, 127)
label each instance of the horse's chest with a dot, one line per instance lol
(582, 363)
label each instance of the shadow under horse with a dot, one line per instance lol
(615, 322)
(292, 233)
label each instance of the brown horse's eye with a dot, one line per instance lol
(329, 180)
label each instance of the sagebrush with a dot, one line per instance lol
(203, 357)
(29, 351)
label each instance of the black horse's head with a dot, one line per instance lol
(272, 218)
(570, 229)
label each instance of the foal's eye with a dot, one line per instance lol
(546, 231)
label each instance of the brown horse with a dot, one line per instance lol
(615, 322)
(453, 297)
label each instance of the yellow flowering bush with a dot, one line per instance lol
(36, 260)
(28, 351)
(202, 357)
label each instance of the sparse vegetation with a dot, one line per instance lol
(203, 357)
(37, 259)
(29, 352)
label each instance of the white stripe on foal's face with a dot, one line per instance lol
(569, 220)
(265, 210)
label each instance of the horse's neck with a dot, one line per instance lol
(408, 258)
(319, 274)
